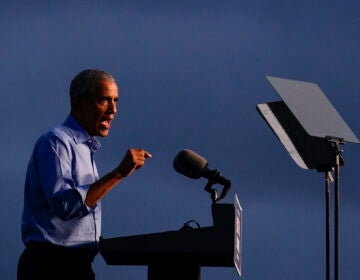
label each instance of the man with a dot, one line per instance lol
(61, 220)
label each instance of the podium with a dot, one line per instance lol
(180, 254)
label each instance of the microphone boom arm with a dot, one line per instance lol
(217, 178)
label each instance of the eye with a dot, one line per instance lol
(103, 100)
(107, 100)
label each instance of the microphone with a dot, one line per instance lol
(194, 166)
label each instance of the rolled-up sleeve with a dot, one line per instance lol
(65, 176)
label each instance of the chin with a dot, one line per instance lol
(103, 133)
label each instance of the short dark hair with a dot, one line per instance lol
(83, 83)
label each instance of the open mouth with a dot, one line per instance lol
(105, 123)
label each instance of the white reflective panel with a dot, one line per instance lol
(312, 109)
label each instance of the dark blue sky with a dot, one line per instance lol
(190, 75)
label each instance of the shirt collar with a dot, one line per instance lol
(80, 135)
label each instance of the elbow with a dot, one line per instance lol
(68, 205)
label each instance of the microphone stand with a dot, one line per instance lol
(213, 193)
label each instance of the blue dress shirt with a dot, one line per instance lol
(59, 173)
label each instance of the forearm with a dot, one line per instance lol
(100, 188)
(133, 159)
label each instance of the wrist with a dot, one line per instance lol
(119, 173)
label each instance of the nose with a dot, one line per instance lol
(112, 107)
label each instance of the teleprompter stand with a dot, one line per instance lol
(312, 132)
(180, 254)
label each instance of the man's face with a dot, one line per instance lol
(96, 113)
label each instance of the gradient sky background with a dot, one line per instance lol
(190, 75)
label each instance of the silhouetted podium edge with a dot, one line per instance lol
(179, 254)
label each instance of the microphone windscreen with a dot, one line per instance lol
(189, 163)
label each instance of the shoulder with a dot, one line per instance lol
(53, 139)
(60, 132)
(64, 136)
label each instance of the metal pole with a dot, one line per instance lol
(327, 200)
(336, 234)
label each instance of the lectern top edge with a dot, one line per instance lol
(312, 109)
